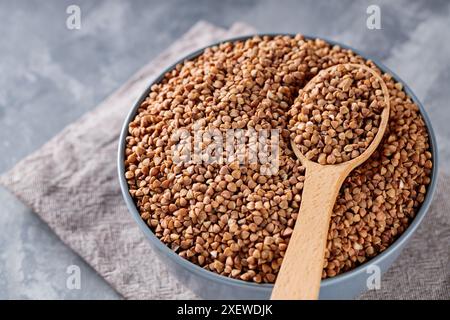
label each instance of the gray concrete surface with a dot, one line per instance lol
(50, 76)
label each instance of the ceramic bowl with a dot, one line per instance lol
(210, 285)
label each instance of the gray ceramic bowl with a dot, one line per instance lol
(210, 285)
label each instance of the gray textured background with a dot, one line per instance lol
(50, 76)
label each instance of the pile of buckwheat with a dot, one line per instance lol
(230, 219)
(336, 118)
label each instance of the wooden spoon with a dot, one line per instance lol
(301, 270)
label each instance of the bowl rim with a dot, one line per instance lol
(328, 282)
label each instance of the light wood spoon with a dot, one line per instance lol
(301, 271)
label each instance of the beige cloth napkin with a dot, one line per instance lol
(71, 183)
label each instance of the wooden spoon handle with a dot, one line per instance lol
(301, 270)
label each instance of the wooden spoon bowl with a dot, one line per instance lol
(301, 271)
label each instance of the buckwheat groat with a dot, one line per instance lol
(336, 118)
(231, 219)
